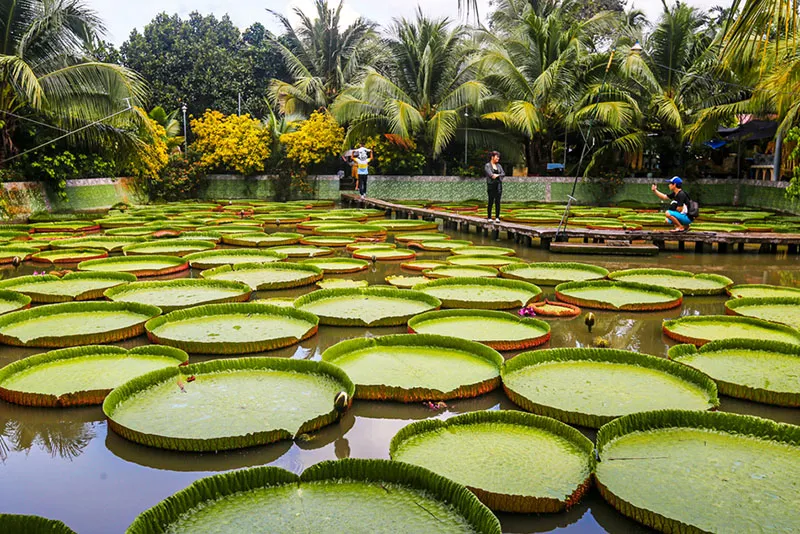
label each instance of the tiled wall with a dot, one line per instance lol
(223, 186)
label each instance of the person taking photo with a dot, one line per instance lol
(678, 212)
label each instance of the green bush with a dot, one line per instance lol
(178, 180)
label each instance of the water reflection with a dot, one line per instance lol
(61, 433)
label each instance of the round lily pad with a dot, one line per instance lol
(610, 295)
(553, 273)
(139, 266)
(481, 450)
(260, 239)
(51, 289)
(406, 282)
(109, 243)
(8, 253)
(301, 251)
(69, 255)
(238, 328)
(700, 329)
(749, 466)
(227, 404)
(11, 301)
(763, 291)
(225, 229)
(327, 241)
(499, 330)
(408, 368)
(483, 293)
(344, 496)
(169, 247)
(420, 236)
(484, 251)
(266, 276)
(775, 309)
(338, 265)
(80, 376)
(372, 306)
(361, 244)
(75, 323)
(171, 295)
(218, 258)
(32, 524)
(65, 226)
(441, 245)
(338, 283)
(590, 387)
(461, 271)
(384, 254)
(756, 370)
(350, 230)
(684, 281)
(422, 265)
(486, 260)
(406, 225)
(555, 309)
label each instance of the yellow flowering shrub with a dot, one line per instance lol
(153, 155)
(315, 140)
(231, 142)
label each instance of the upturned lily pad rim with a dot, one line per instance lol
(402, 281)
(440, 272)
(179, 246)
(379, 291)
(80, 254)
(32, 524)
(675, 296)
(350, 469)
(50, 298)
(141, 383)
(731, 290)
(198, 260)
(270, 240)
(667, 325)
(511, 502)
(123, 293)
(78, 397)
(507, 271)
(348, 265)
(723, 281)
(327, 241)
(172, 264)
(228, 347)
(62, 340)
(314, 273)
(20, 300)
(473, 250)
(679, 353)
(96, 240)
(384, 254)
(732, 306)
(614, 356)
(519, 285)
(729, 423)
(499, 344)
(463, 259)
(384, 392)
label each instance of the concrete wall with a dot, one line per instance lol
(225, 186)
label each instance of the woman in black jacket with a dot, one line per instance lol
(494, 182)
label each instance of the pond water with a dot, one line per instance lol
(65, 464)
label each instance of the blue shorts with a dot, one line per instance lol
(682, 218)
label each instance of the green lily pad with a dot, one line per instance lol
(781, 310)
(459, 271)
(107, 243)
(302, 251)
(700, 329)
(441, 245)
(69, 255)
(420, 236)
(65, 226)
(140, 266)
(354, 230)
(484, 251)
(51, 289)
(661, 468)
(485, 260)
(260, 239)
(553, 273)
(372, 306)
(218, 258)
(610, 295)
(406, 282)
(171, 295)
(348, 495)
(327, 241)
(590, 387)
(756, 370)
(339, 283)
(169, 247)
(481, 450)
(75, 323)
(499, 330)
(406, 225)
(337, 265)
(32, 524)
(238, 328)
(763, 291)
(384, 254)
(684, 281)
(482, 293)
(225, 229)
(11, 301)
(413, 368)
(362, 244)
(80, 376)
(422, 265)
(267, 276)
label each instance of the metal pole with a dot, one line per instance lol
(240, 103)
(466, 136)
(185, 137)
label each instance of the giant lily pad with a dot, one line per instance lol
(410, 368)
(11, 301)
(441, 245)
(8, 253)
(171, 295)
(661, 469)
(371, 306)
(108, 243)
(763, 291)
(169, 247)
(349, 495)
(459, 271)
(483, 450)
(227, 404)
(684, 281)
(80, 376)
(700, 329)
(486, 260)
(498, 330)
(139, 266)
(32, 524)
(75, 323)
(775, 309)
(218, 258)
(354, 230)
(267, 276)
(406, 225)
(69, 255)
(72, 286)
(610, 295)
(260, 239)
(384, 254)
(590, 387)
(65, 226)
(416, 237)
(485, 251)
(238, 328)
(405, 282)
(338, 265)
(327, 241)
(761, 371)
(483, 293)
(552, 274)
(302, 251)
(422, 265)
(338, 283)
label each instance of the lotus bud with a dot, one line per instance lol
(589, 320)
(341, 402)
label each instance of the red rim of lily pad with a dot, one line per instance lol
(567, 310)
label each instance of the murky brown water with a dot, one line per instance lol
(64, 464)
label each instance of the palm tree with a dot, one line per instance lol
(427, 87)
(321, 58)
(43, 74)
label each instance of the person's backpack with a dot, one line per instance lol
(692, 209)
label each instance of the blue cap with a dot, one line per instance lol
(675, 180)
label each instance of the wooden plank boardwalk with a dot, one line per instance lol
(522, 233)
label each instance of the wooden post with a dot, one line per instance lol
(660, 244)
(681, 245)
(698, 246)
(546, 243)
(740, 247)
(722, 248)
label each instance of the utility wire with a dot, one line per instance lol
(33, 121)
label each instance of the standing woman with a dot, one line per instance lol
(494, 182)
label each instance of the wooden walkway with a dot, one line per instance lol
(521, 233)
